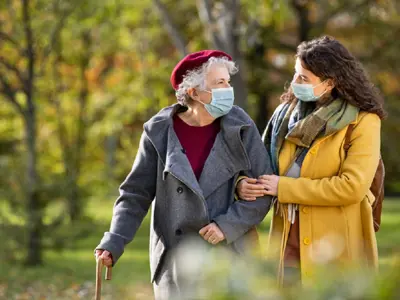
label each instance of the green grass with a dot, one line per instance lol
(70, 274)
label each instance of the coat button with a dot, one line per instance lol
(305, 210)
(179, 190)
(306, 241)
(313, 151)
(178, 232)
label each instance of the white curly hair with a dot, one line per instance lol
(197, 77)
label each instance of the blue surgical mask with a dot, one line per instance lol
(221, 102)
(305, 92)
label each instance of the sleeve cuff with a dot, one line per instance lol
(236, 183)
(112, 243)
(284, 182)
(231, 233)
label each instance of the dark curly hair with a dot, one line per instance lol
(327, 58)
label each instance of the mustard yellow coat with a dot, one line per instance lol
(336, 225)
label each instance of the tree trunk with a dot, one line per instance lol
(262, 112)
(302, 10)
(223, 32)
(231, 31)
(173, 31)
(75, 205)
(73, 198)
(240, 85)
(255, 61)
(34, 207)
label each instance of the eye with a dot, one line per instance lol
(223, 81)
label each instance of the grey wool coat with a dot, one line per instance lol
(161, 176)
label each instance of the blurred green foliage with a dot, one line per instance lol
(70, 274)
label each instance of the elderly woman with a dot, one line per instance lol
(189, 158)
(323, 210)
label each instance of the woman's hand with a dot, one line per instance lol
(270, 184)
(249, 189)
(105, 256)
(212, 233)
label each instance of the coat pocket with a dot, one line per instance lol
(157, 258)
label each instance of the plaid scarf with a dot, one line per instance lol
(301, 123)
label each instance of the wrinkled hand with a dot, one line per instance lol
(249, 189)
(270, 184)
(212, 234)
(105, 256)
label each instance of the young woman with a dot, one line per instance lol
(323, 202)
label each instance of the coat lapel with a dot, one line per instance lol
(178, 165)
(227, 157)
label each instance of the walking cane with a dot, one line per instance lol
(99, 269)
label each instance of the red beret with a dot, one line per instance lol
(193, 61)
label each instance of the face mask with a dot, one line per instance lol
(221, 102)
(305, 92)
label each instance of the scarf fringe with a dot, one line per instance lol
(289, 209)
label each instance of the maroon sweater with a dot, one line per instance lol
(196, 142)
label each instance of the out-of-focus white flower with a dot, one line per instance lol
(328, 248)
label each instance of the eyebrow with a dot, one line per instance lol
(301, 75)
(218, 79)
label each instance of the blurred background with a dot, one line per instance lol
(79, 78)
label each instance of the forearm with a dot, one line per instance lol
(333, 191)
(136, 195)
(241, 216)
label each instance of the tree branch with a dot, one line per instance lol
(5, 37)
(204, 8)
(55, 223)
(382, 45)
(345, 7)
(9, 94)
(255, 32)
(13, 68)
(82, 100)
(303, 16)
(55, 99)
(30, 53)
(173, 31)
(228, 26)
(57, 29)
(285, 46)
